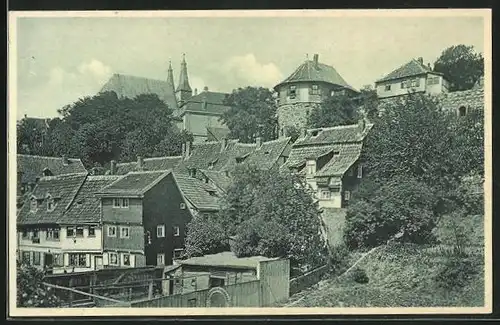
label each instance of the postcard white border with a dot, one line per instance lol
(69, 312)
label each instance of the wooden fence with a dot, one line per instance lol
(307, 280)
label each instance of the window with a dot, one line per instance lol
(36, 258)
(111, 231)
(292, 92)
(433, 80)
(124, 203)
(176, 231)
(183, 206)
(160, 259)
(79, 232)
(347, 195)
(315, 90)
(57, 260)
(26, 257)
(50, 204)
(193, 282)
(177, 253)
(116, 203)
(387, 87)
(360, 171)
(33, 205)
(125, 232)
(126, 259)
(25, 233)
(462, 111)
(113, 258)
(35, 234)
(311, 167)
(403, 84)
(52, 234)
(326, 195)
(160, 231)
(70, 231)
(76, 259)
(91, 231)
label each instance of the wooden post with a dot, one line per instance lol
(130, 294)
(150, 293)
(71, 295)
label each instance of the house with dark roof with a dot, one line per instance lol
(144, 217)
(305, 89)
(59, 228)
(145, 164)
(329, 160)
(413, 76)
(31, 168)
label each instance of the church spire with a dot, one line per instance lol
(170, 77)
(183, 90)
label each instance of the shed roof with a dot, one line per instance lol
(226, 259)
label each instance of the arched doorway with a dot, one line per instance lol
(218, 297)
(462, 111)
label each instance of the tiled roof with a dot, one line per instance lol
(197, 192)
(150, 164)
(86, 206)
(412, 68)
(134, 183)
(217, 134)
(33, 166)
(267, 155)
(220, 179)
(472, 98)
(62, 188)
(131, 86)
(339, 164)
(310, 72)
(299, 155)
(226, 259)
(336, 134)
(206, 102)
(202, 154)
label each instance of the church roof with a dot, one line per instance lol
(206, 102)
(130, 86)
(412, 68)
(313, 71)
(183, 77)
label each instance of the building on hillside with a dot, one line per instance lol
(329, 159)
(31, 168)
(59, 228)
(464, 102)
(144, 217)
(192, 112)
(304, 90)
(200, 197)
(412, 76)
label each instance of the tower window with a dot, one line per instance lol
(315, 90)
(292, 92)
(387, 87)
(462, 111)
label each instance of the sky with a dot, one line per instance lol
(62, 59)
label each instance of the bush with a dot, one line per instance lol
(358, 275)
(205, 236)
(457, 272)
(30, 289)
(339, 259)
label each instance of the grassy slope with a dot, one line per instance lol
(400, 276)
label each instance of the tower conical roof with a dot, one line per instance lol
(183, 77)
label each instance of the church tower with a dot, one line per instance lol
(183, 91)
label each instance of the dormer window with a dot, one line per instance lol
(311, 167)
(33, 205)
(50, 204)
(47, 172)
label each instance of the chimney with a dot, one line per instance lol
(188, 149)
(421, 60)
(112, 168)
(429, 66)
(361, 125)
(65, 160)
(303, 132)
(315, 59)
(204, 104)
(183, 150)
(25, 115)
(205, 89)
(258, 140)
(195, 91)
(140, 163)
(223, 144)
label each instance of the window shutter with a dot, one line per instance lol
(132, 260)
(66, 259)
(87, 260)
(105, 259)
(417, 82)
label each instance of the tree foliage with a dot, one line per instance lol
(30, 289)
(333, 111)
(461, 66)
(100, 128)
(252, 114)
(205, 235)
(415, 161)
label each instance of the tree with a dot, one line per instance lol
(205, 235)
(461, 66)
(252, 114)
(334, 111)
(30, 137)
(30, 289)
(369, 102)
(272, 213)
